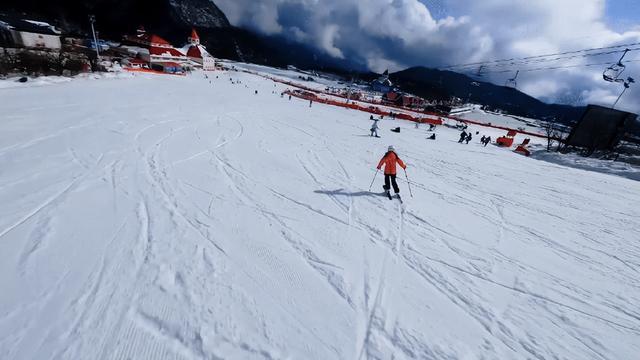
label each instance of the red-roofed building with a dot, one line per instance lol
(156, 50)
(392, 98)
(198, 53)
(411, 101)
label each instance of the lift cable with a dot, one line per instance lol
(558, 56)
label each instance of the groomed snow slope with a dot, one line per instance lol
(162, 217)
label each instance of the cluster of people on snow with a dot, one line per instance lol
(465, 137)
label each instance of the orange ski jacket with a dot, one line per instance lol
(389, 160)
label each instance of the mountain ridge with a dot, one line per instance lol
(442, 84)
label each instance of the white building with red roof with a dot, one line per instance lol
(198, 53)
(157, 51)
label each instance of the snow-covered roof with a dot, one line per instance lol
(44, 24)
(384, 81)
(150, 40)
(25, 25)
(196, 51)
(165, 51)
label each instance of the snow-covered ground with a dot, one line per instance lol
(162, 217)
(512, 122)
(320, 82)
(13, 82)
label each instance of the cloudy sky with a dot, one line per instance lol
(396, 34)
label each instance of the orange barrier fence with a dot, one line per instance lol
(369, 109)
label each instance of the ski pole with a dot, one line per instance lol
(374, 179)
(408, 182)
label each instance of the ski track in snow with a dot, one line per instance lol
(212, 228)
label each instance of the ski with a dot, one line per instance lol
(399, 198)
(389, 195)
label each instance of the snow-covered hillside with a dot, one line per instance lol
(161, 217)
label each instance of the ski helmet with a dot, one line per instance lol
(391, 148)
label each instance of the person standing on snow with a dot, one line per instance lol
(469, 137)
(389, 160)
(374, 129)
(463, 136)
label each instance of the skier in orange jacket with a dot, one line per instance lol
(389, 160)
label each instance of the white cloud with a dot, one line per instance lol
(327, 41)
(397, 33)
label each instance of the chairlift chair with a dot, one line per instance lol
(613, 72)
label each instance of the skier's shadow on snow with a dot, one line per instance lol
(342, 192)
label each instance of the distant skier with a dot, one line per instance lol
(310, 103)
(463, 136)
(374, 129)
(487, 140)
(482, 139)
(389, 160)
(469, 137)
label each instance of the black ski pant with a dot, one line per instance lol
(390, 178)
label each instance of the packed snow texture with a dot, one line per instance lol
(165, 217)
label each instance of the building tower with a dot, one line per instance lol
(194, 39)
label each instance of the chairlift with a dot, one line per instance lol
(513, 83)
(613, 72)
